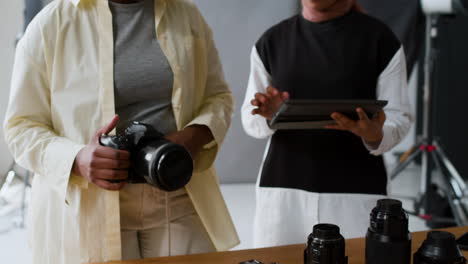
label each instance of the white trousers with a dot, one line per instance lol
(287, 216)
(187, 236)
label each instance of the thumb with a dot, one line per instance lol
(380, 117)
(108, 128)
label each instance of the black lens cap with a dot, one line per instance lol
(326, 231)
(439, 248)
(389, 206)
(441, 239)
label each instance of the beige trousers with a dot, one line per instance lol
(187, 236)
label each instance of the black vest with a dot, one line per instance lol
(337, 59)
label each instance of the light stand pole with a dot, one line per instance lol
(429, 149)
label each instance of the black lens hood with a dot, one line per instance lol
(439, 248)
(174, 167)
(325, 245)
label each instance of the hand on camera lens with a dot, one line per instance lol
(370, 130)
(100, 165)
(267, 104)
(192, 138)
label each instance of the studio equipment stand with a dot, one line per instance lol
(429, 149)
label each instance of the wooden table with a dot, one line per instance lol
(283, 255)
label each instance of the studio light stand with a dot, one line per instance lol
(431, 152)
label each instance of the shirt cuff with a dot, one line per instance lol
(58, 162)
(206, 158)
(385, 145)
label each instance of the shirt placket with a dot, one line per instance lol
(112, 243)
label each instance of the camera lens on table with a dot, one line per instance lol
(388, 239)
(439, 248)
(325, 246)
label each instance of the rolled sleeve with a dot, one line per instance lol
(59, 158)
(392, 87)
(28, 125)
(217, 105)
(255, 125)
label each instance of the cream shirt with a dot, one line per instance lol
(62, 93)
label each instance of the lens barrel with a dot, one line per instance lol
(155, 160)
(325, 246)
(439, 248)
(164, 164)
(388, 240)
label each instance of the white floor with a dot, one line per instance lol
(240, 199)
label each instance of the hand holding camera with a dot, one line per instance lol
(165, 162)
(155, 160)
(101, 165)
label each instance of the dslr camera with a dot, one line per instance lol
(154, 159)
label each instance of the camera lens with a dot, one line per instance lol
(388, 240)
(175, 168)
(325, 246)
(164, 164)
(439, 248)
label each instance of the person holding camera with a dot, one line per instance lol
(332, 50)
(79, 64)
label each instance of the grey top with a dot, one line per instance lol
(143, 82)
(143, 78)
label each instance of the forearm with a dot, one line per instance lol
(255, 125)
(193, 138)
(200, 135)
(392, 87)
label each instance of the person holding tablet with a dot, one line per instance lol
(332, 50)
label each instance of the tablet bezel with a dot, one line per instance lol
(326, 108)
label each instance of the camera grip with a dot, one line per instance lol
(109, 141)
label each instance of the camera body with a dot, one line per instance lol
(154, 159)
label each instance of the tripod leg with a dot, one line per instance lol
(426, 181)
(3, 179)
(402, 166)
(454, 202)
(23, 200)
(451, 169)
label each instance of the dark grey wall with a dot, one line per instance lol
(451, 91)
(237, 25)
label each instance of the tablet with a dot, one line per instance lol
(315, 114)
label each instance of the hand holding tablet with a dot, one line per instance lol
(268, 104)
(369, 129)
(317, 114)
(364, 118)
